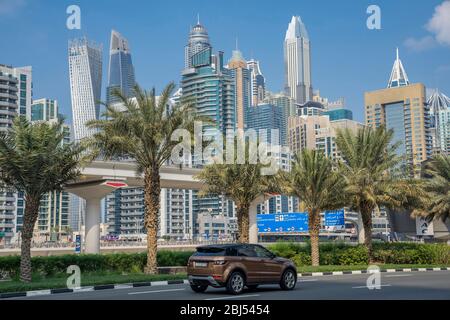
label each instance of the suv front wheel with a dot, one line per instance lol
(236, 283)
(288, 280)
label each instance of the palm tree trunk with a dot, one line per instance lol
(314, 229)
(29, 220)
(243, 223)
(366, 215)
(152, 191)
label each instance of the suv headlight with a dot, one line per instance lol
(219, 262)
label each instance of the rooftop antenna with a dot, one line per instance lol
(237, 44)
(198, 18)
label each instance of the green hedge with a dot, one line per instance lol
(122, 262)
(386, 253)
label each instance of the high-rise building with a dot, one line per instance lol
(85, 72)
(15, 99)
(269, 121)
(212, 88)
(198, 41)
(297, 60)
(439, 105)
(44, 110)
(403, 108)
(241, 76)
(16, 94)
(317, 133)
(339, 114)
(258, 82)
(54, 210)
(120, 71)
(280, 203)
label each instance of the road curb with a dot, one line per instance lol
(340, 273)
(35, 293)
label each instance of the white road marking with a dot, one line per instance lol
(156, 291)
(309, 280)
(399, 275)
(38, 293)
(234, 297)
(365, 287)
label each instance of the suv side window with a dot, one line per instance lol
(246, 251)
(231, 252)
(262, 252)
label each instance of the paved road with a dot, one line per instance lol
(404, 285)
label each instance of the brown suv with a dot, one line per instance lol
(235, 266)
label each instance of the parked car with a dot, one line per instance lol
(236, 266)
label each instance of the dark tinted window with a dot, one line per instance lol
(247, 251)
(262, 252)
(232, 252)
(210, 251)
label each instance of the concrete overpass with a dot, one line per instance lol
(99, 178)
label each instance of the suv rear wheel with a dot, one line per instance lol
(198, 289)
(288, 280)
(236, 283)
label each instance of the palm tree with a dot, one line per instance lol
(438, 188)
(34, 160)
(241, 182)
(370, 168)
(142, 130)
(319, 188)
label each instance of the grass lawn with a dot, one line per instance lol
(87, 279)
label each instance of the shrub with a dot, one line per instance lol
(302, 259)
(120, 262)
(353, 256)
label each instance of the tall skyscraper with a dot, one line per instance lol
(15, 99)
(212, 88)
(403, 108)
(198, 41)
(439, 105)
(297, 60)
(85, 72)
(208, 83)
(121, 70)
(258, 82)
(241, 76)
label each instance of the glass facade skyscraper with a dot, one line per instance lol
(270, 118)
(120, 71)
(212, 88)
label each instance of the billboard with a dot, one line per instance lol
(282, 223)
(335, 218)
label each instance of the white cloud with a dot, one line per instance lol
(10, 6)
(440, 23)
(421, 44)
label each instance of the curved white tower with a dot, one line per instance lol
(85, 72)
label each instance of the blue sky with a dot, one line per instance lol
(347, 58)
